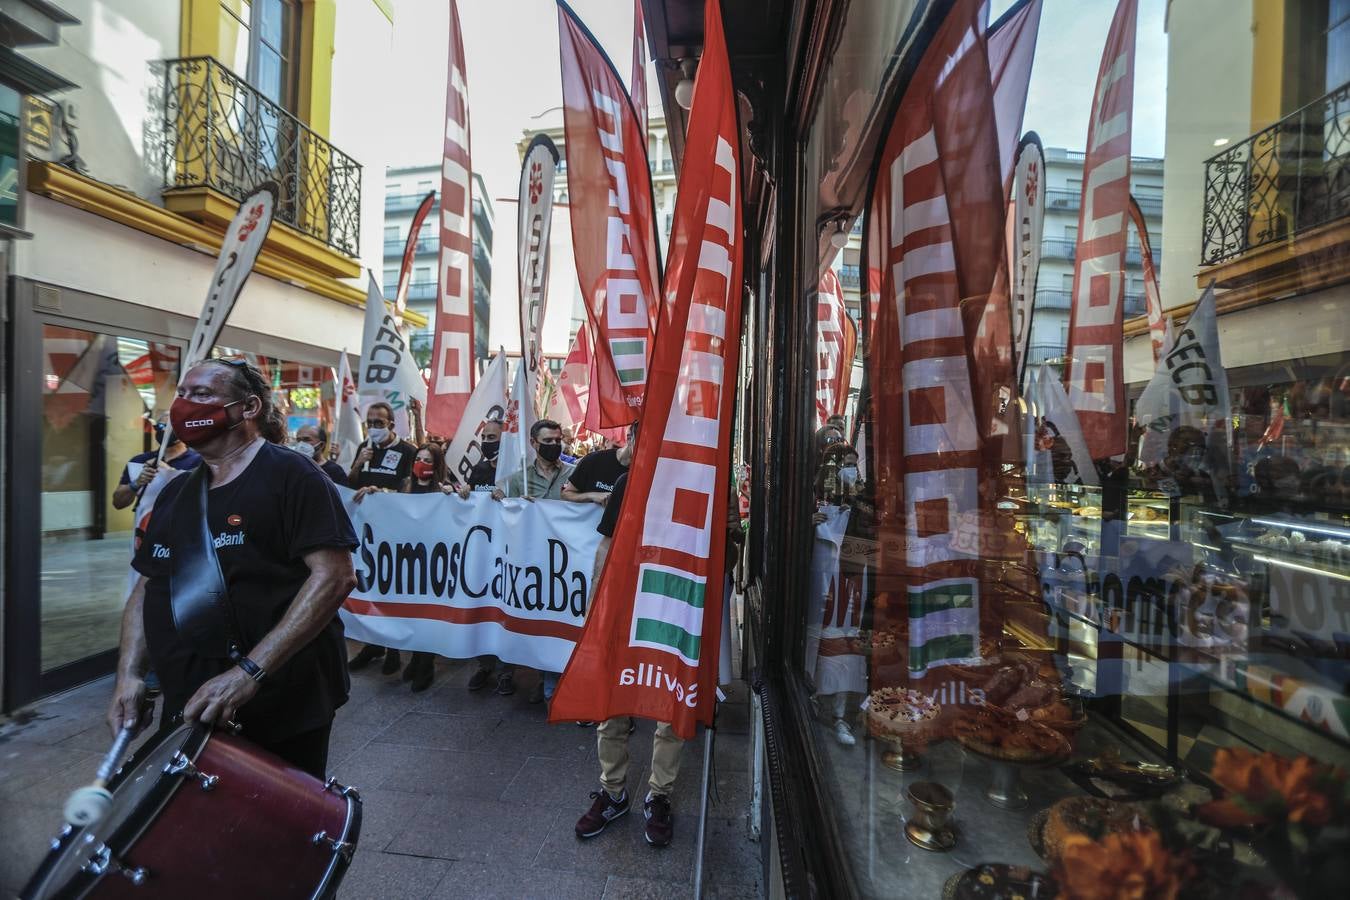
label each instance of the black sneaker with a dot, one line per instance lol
(425, 672)
(660, 823)
(364, 657)
(478, 680)
(604, 810)
(506, 684)
(392, 661)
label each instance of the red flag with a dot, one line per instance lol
(1095, 374)
(650, 644)
(836, 343)
(452, 353)
(639, 81)
(1157, 322)
(409, 251)
(575, 380)
(1012, 48)
(926, 443)
(613, 230)
(966, 138)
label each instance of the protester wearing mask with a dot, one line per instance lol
(542, 480)
(483, 477)
(311, 442)
(384, 462)
(428, 477)
(274, 662)
(177, 454)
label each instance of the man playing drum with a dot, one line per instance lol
(271, 655)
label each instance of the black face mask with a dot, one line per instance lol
(550, 452)
(490, 448)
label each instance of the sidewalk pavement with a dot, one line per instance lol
(466, 795)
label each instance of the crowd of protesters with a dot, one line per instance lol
(591, 468)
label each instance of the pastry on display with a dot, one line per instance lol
(1090, 817)
(901, 713)
(999, 881)
(999, 735)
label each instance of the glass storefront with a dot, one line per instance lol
(1030, 652)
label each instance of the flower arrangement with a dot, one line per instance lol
(1128, 865)
(1269, 789)
(1292, 811)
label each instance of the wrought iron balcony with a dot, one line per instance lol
(221, 133)
(1287, 178)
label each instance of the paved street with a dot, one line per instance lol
(466, 795)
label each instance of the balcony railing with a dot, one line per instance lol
(403, 202)
(850, 276)
(424, 245)
(1066, 201)
(1050, 298)
(1287, 178)
(220, 133)
(1039, 353)
(422, 290)
(1058, 248)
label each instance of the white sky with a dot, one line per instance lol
(511, 49)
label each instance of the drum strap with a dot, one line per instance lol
(202, 614)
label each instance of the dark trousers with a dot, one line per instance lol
(307, 751)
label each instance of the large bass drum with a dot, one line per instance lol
(204, 814)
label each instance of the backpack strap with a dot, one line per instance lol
(197, 594)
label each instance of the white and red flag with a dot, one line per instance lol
(613, 221)
(927, 443)
(347, 434)
(574, 382)
(650, 644)
(410, 251)
(1026, 225)
(836, 344)
(1095, 373)
(452, 350)
(1157, 322)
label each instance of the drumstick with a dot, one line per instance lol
(89, 804)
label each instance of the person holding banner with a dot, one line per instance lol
(384, 462)
(265, 650)
(543, 480)
(428, 477)
(311, 442)
(596, 473)
(176, 455)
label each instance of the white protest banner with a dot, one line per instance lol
(388, 372)
(463, 578)
(347, 431)
(488, 401)
(1189, 388)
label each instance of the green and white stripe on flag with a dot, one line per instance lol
(944, 623)
(630, 359)
(668, 611)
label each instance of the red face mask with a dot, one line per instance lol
(423, 470)
(197, 423)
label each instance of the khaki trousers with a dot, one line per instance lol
(612, 743)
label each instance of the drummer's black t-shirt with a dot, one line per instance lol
(598, 471)
(279, 508)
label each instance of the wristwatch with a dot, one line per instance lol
(255, 671)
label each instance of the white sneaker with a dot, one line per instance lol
(842, 733)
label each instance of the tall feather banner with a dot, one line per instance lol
(1095, 375)
(452, 354)
(613, 221)
(650, 644)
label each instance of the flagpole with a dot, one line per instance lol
(708, 732)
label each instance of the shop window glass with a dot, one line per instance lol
(101, 394)
(1097, 639)
(9, 155)
(302, 392)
